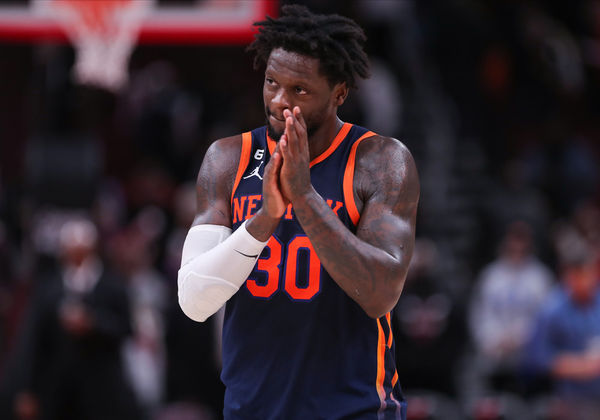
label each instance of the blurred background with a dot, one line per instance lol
(498, 101)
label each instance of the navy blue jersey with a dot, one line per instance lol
(295, 346)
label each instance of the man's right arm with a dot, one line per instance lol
(216, 262)
(215, 182)
(211, 269)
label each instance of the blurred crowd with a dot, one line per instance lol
(499, 101)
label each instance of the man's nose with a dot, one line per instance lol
(281, 101)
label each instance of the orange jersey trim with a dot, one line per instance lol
(382, 347)
(391, 337)
(389, 344)
(244, 159)
(394, 380)
(271, 144)
(340, 136)
(380, 364)
(348, 184)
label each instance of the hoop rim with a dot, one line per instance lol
(164, 25)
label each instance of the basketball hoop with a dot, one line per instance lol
(103, 33)
(214, 22)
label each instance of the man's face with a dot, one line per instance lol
(582, 282)
(292, 79)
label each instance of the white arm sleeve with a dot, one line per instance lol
(214, 264)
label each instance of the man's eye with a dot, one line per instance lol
(300, 90)
(269, 81)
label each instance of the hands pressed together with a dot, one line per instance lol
(287, 175)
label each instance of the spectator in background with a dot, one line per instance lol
(566, 341)
(67, 361)
(527, 203)
(429, 317)
(586, 222)
(144, 352)
(508, 294)
(184, 211)
(193, 349)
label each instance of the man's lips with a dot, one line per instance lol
(275, 117)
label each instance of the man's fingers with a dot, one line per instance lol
(301, 131)
(277, 160)
(270, 167)
(289, 137)
(274, 165)
(284, 146)
(278, 146)
(291, 129)
(298, 114)
(289, 123)
(271, 177)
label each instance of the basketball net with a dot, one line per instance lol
(103, 33)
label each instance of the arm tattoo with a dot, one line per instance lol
(371, 265)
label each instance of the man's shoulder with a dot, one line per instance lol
(224, 153)
(379, 154)
(231, 144)
(225, 145)
(222, 158)
(220, 162)
(377, 143)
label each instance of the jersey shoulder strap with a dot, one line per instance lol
(244, 159)
(348, 183)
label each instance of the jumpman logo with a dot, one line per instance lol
(255, 172)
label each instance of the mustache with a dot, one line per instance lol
(269, 114)
(276, 135)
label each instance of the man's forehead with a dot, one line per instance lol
(296, 64)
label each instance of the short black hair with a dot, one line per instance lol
(336, 41)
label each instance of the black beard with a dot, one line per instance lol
(275, 135)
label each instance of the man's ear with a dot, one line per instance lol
(340, 92)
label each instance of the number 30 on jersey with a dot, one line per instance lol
(271, 265)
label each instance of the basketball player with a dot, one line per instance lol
(305, 227)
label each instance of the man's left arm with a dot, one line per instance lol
(370, 266)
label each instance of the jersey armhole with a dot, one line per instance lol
(348, 183)
(244, 159)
